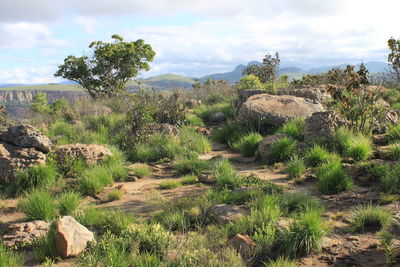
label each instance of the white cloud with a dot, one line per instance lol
(87, 24)
(40, 74)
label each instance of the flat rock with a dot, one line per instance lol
(92, 154)
(24, 234)
(226, 213)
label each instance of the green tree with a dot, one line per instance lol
(267, 71)
(40, 103)
(394, 58)
(110, 66)
(249, 82)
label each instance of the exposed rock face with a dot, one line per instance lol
(318, 94)
(226, 213)
(267, 142)
(71, 237)
(321, 125)
(245, 94)
(164, 128)
(217, 117)
(242, 244)
(92, 154)
(24, 234)
(276, 110)
(13, 158)
(26, 136)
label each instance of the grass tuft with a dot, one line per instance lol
(370, 218)
(38, 205)
(295, 168)
(332, 178)
(247, 145)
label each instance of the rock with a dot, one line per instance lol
(206, 178)
(217, 117)
(92, 154)
(226, 213)
(14, 158)
(388, 118)
(284, 223)
(26, 136)
(318, 94)
(245, 94)
(321, 125)
(267, 142)
(202, 130)
(276, 110)
(24, 234)
(242, 244)
(383, 152)
(164, 128)
(379, 139)
(71, 237)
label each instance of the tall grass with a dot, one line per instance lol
(389, 178)
(318, 155)
(9, 258)
(282, 150)
(370, 218)
(68, 202)
(194, 142)
(94, 179)
(187, 166)
(295, 168)
(225, 174)
(39, 205)
(294, 129)
(158, 147)
(332, 178)
(247, 145)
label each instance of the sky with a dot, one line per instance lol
(194, 37)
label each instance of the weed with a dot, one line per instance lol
(358, 147)
(114, 194)
(294, 129)
(169, 185)
(194, 166)
(44, 247)
(280, 262)
(141, 170)
(188, 179)
(94, 180)
(390, 182)
(318, 155)
(394, 151)
(298, 203)
(10, 258)
(282, 150)
(386, 239)
(225, 174)
(194, 142)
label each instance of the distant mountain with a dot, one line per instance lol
(5, 85)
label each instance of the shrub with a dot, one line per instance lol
(194, 166)
(247, 145)
(68, 202)
(141, 170)
(294, 129)
(295, 168)
(189, 179)
(282, 150)
(298, 203)
(39, 205)
(358, 147)
(37, 176)
(169, 185)
(117, 221)
(114, 194)
(94, 180)
(225, 174)
(390, 181)
(370, 218)
(194, 142)
(10, 258)
(304, 235)
(332, 178)
(394, 151)
(280, 262)
(157, 147)
(318, 155)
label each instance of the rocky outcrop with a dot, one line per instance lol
(52, 95)
(265, 145)
(91, 154)
(226, 213)
(71, 237)
(276, 110)
(24, 234)
(245, 94)
(321, 125)
(26, 136)
(243, 244)
(319, 94)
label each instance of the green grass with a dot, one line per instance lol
(358, 147)
(226, 196)
(189, 179)
(225, 174)
(91, 217)
(194, 142)
(114, 194)
(231, 132)
(393, 133)
(158, 147)
(39, 205)
(68, 202)
(247, 145)
(9, 258)
(332, 178)
(298, 202)
(280, 262)
(282, 150)
(141, 170)
(389, 177)
(206, 111)
(370, 218)
(295, 168)
(394, 151)
(318, 155)
(44, 248)
(194, 120)
(187, 166)
(380, 170)
(294, 129)
(94, 179)
(169, 185)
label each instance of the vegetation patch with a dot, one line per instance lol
(332, 178)
(370, 218)
(247, 145)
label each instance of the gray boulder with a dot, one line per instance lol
(317, 94)
(265, 145)
(321, 125)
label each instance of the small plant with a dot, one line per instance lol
(248, 144)
(295, 168)
(10, 258)
(114, 194)
(317, 155)
(39, 205)
(298, 203)
(225, 174)
(189, 179)
(94, 180)
(394, 150)
(68, 202)
(370, 218)
(193, 141)
(280, 262)
(141, 170)
(386, 239)
(390, 181)
(294, 129)
(44, 248)
(282, 150)
(169, 185)
(194, 120)
(358, 147)
(332, 178)
(389, 198)
(91, 217)
(231, 132)
(380, 170)
(157, 147)
(194, 166)
(117, 221)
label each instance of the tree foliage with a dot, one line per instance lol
(394, 58)
(267, 71)
(250, 81)
(110, 66)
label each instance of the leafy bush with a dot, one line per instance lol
(250, 81)
(39, 205)
(248, 144)
(225, 174)
(141, 170)
(390, 178)
(295, 168)
(169, 185)
(394, 151)
(114, 194)
(189, 179)
(10, 258)
(68, 202)
(282, 150)
(370, 218)
(294, 129)
(318, 155)
(194, 166)
(332, 178)
(94, 180)
(304, 235)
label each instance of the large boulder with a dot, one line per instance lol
(71, 237)
(26, 136)
(277, 109)
(24, 234)
(318, 94)
(91, 154)
(14, 158)
(245, 94)
(321, 125)
(265, 145)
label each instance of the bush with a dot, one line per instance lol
(295, 168)
(156, 148)
(94, 180)
(294, 129)
(150, 238)
(114, 194)
(380, 170)
(304, 235)
(394, 151)
(247, 145)
(332, 178)
(141, 170)
(39, 205)
(390, 178)
(169, 185)
(37, 176)
(194, 166)
(225, 174)
(194, 142)
(10, 258)
(117, 221)
(282, 150)
(68, 202)
(189, 179)
(358, 147)
(370, 218)
(318, 155)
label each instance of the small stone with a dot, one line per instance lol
(242, 244)
(226, 213)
